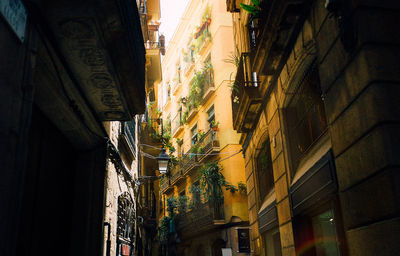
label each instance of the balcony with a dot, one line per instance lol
(273, 35)
(153, 60)
(176, 174)
(177, 125)
(165, 185)
(201, 219)
(188, 63)
(188, 162)
(177, 82)
(246, 98)
(152, 45)
(191, 114)
(202, 37)
(208, 144)
(148, 135)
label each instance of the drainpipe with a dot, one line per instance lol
(108, 243)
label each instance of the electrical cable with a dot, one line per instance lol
(194, 154)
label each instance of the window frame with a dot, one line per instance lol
(268, 176)
(290, 131)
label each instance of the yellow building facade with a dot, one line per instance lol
(195, 105)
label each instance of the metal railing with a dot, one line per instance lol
(208, 141)
(177, 122)
(205, 211)
(152, 45)
(208, 82)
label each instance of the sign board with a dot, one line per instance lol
(226, 251)
(244, 240)
(14, 12)
(126, 250)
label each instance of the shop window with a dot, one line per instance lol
(273, 242)
(316, 234)
(264, 170)
(305, 115)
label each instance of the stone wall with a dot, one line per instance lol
(360, 83)
(116, 185)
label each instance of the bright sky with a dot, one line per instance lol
(171, 12)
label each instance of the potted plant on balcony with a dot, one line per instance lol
(200, 135)
(179, 141)
(214, 125)
(242, 188)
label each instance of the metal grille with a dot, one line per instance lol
(125, 223)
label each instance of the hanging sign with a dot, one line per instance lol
(243, 240)
(14, 12)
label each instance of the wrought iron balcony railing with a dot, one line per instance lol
(152, 45)
(177, 124)
(202, 218)
(208, 85)
(246, 98)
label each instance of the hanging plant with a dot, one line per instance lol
(195, 201)
(242, 188)
(231, 188)
(212, 181)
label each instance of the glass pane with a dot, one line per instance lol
(325, 237)
(273, 243)
(264, 170)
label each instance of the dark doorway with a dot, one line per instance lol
(45, 226)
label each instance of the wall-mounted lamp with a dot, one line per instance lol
(163, 160)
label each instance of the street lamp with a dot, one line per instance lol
(163, 160)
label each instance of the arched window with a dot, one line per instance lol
(305, 115)
(264, 172)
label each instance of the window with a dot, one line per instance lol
(319, 227)
(273, 242)
(125, 224)
(194, 134)
(265, 178)
(211, 114)
(305, 117)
